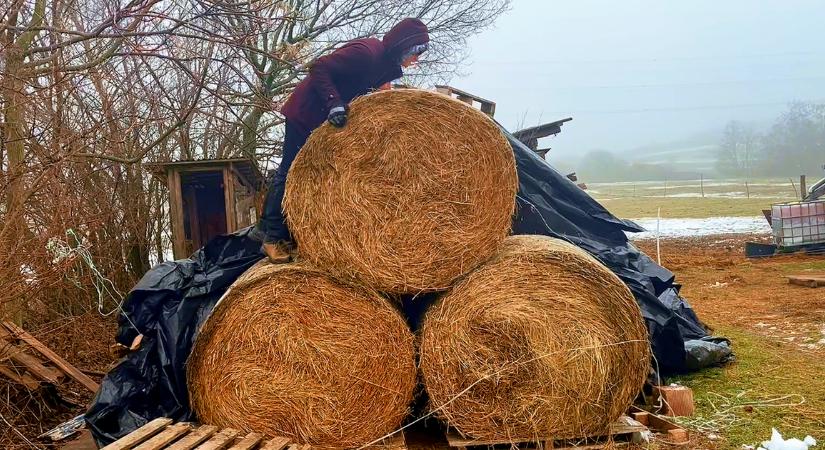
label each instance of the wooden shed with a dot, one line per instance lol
(208, 198)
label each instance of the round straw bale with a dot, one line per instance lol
(542, 341)
(414, 192)
(291, 352)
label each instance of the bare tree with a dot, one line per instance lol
(739, 150)
(91, 90)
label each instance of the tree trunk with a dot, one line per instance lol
(251, 123)
(11, 90)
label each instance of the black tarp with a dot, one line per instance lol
(167, 305)
(173, 299)
(550, 204)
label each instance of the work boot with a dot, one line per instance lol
(276, 252)
(256, 234)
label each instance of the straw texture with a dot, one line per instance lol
(414, 192)
(290, 352)
(541, 341)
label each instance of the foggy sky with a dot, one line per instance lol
(638, 72)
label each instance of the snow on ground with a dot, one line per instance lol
(674, 228)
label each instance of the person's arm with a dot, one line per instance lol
(346, 61)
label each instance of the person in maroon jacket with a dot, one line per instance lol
(334, 80)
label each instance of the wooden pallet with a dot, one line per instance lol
(27, 361)
(163, 434)
(811, 281)
(675, 434)
(621, 434)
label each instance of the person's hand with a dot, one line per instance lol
(338, 116)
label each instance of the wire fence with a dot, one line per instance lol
(780, 189)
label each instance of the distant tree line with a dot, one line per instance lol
(794, 145)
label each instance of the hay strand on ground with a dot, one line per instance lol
(549, 342)
(414, 192)
(290, 352)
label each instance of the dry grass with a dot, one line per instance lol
(414, 192)
(290, 352)
(542, 341)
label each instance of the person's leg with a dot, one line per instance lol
(272, 223)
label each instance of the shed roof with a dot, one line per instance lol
(246, 167)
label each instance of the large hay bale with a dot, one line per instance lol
(542, 341)
(290, 352)
(415, 191)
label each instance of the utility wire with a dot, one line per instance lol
(686, 84)
(645, 60)
(669, 109)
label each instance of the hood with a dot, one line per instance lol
(405, 34)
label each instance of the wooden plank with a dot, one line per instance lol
(220, 441)
(141, 434)
(811, 281)
(678, 436)
(20, 378)
(642, 417)
(194, 438)
(33, 365)
(229, 199)
(656, 422)
(621, 426)
(249, 442)
(61, 363)
(599, 446)
(176, 214)
(190, 200)
(165, 437)
(278, 443)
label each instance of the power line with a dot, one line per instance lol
(698, 83)
(653, 59)
(670, 109)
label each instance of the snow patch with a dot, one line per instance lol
(675, 228)
(778, 443)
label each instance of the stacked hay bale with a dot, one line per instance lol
(416, 194)
(291, 352)
(542, 341)
(417, 190)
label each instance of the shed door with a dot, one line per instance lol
(204, 207)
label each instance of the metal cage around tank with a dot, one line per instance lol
(798, 224)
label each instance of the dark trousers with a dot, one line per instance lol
(273, 222)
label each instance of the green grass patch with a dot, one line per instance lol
(681, 208)
(803, 267)
(772, 385)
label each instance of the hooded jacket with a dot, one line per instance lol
(352, 70)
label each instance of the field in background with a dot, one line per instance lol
(693, 198)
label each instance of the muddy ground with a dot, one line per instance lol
(727, 289)
(778, 335)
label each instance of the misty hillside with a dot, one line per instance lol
(696, 153)
(697, 158)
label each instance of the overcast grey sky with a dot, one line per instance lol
(637, 72)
